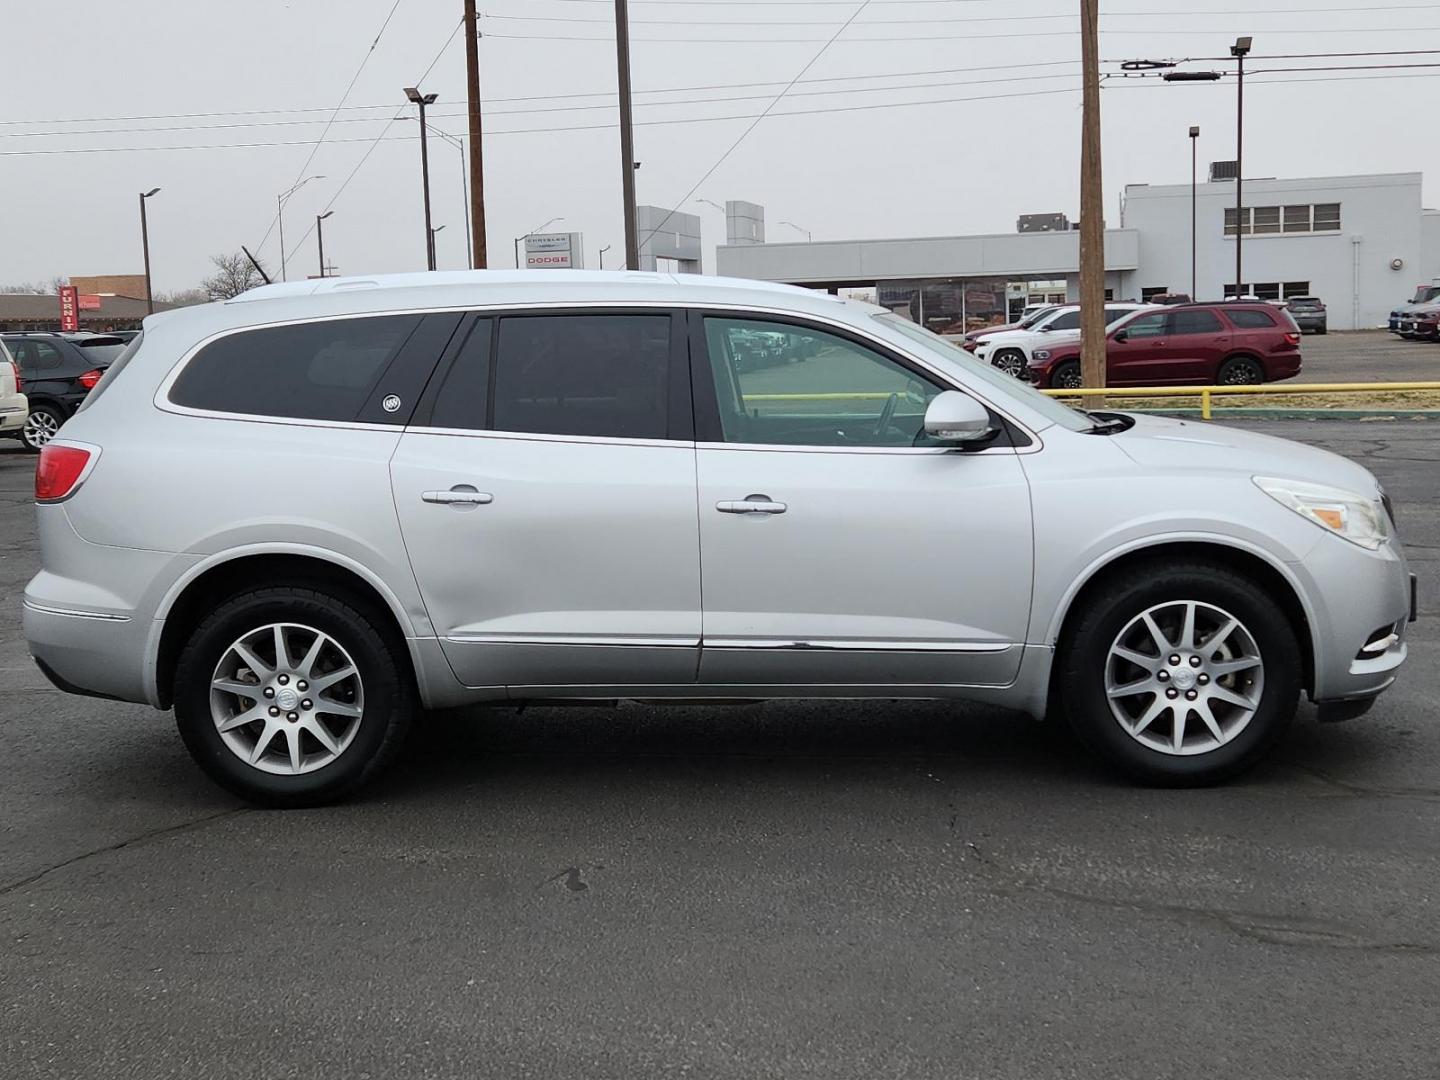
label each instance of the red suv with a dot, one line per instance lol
(1227, 344)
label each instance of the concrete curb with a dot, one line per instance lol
(1280, 413)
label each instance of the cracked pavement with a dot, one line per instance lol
(800, 889)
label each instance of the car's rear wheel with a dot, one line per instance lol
(1179, 674)
(1066, 376)
(1241, 371)
(1010, 361)
(41, 426)
(291, 697)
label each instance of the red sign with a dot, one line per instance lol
(69, 307)
(89, 303)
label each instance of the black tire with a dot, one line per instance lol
(1322, 330)
(32, 434)
(1083, 655)
(1240, 371)
(1066, 376)
(389, 703)
(1010, 361)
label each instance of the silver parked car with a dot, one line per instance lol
(299, 516)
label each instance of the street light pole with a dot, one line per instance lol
(145, 243)
(465, 191)
(602, 256)
(798, 228)
(1194, 204)
(320, 237)
(423, 100)
(280, 201)
(1239, 51)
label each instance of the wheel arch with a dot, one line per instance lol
(1250, 562)
(210, 584)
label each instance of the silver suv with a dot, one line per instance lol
(300, 516)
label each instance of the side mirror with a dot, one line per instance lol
(1042, 329)
(954, 417)
(1122, 335)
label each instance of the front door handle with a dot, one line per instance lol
(458, 496)
(751, 504)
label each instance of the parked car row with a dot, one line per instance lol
(1230, 343)
(55, 371)
(1415, 319)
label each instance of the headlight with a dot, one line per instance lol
(1040, 354)
(1358, 519)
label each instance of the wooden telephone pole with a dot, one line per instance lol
(477, 164)
(1092, 204)
(627, 137)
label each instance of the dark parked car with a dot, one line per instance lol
(1402, 319)
(1227, 344)
(58, 370)
(1309, 313)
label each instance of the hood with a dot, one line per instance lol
(1161, 442)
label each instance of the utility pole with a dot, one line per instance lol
(627, 136)
(1238, 50)
(1194, 208)
(478, 255)
(1092, 221)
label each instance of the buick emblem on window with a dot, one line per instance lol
(391, 403)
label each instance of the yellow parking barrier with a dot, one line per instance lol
(1205, 393)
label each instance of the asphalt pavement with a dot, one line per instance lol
(1367, 356)
(891, 889)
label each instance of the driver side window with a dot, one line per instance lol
(786, 385)
(1147, 326)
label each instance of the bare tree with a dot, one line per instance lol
(233, 276)
(183, 297)
(36, 288)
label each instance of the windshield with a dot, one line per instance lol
(972, 370)
(1034, 317)
(1425, 293)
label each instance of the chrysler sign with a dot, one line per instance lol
(554, 251)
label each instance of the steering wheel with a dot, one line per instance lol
(886, 415)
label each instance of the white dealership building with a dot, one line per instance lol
(1361, 243)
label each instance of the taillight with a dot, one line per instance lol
(1292, 338)
(90, 378)
(58, 472)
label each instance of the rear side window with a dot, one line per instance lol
(1195, 322)
(1252, 319)
(313, 371)
(596, 375)
(1069, 320)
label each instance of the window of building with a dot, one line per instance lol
(604, 376)
(1265, 290)
(1251, 318)
(844, 394)
(1327, 217)
(1295, 288)
(1297, 219)
(1232, 215)
(1194, 321)
(1146, 295)
(316, 371)
(1266, 219)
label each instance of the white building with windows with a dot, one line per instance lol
(1360, 243)
(1357, 242)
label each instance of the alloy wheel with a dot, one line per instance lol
(1184, 678)
(40, 427)
(286, 699)
(1011, 362)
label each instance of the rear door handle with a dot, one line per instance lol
(751, 504)
(458, 497)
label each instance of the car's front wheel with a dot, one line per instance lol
(1010, 361)
(291, 697)
(41, 426)
(1179, 673)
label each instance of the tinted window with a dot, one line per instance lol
(1195, 322)
(1113, 313)
(1251, 319)
(598, 375)
(34, 354)
(1069, 320)
(464, 397)
(1146, 326)
(787, 385)
(316, 371)
(100, 352)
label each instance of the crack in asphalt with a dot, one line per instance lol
(1364, 791)
(153, 834)
(1288, 931)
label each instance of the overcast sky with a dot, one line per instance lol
(268, 71)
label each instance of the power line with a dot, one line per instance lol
(343, 97)
(765, 112)
(1288, 31)
(930, 21)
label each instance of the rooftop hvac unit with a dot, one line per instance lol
(1223, 170)
(1029, 223)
